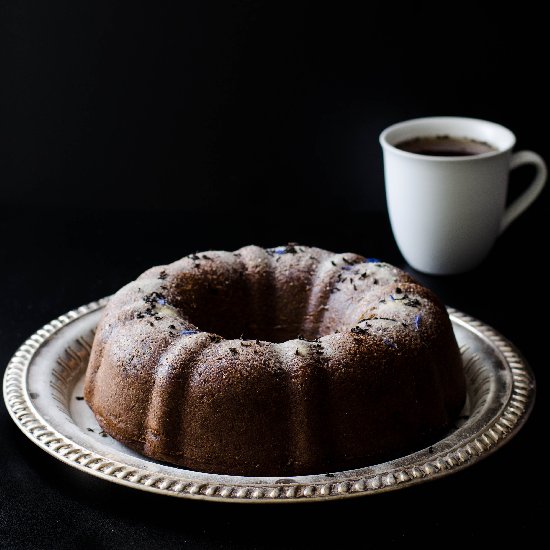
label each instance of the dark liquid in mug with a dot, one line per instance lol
(445, 146)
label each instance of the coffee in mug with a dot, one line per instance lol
(445, 146)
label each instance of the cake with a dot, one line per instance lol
(275, 362)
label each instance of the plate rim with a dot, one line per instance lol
(319, 487)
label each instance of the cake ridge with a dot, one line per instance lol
(306, 418)
(319, 294)
(292, 300)
(164, 395)
(262, 314)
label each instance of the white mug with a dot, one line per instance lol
(446, 212)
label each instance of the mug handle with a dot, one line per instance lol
(532, 192)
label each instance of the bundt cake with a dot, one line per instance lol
(274, 362)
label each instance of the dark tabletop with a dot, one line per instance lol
(53, 261)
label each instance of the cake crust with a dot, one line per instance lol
(269, 362)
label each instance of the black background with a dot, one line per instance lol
(132, 134)
(203, 105)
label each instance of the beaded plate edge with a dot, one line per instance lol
(391, 475)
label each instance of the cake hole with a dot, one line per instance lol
(230, 325)
(269, 311)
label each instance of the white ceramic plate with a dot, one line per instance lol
(43, 393)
